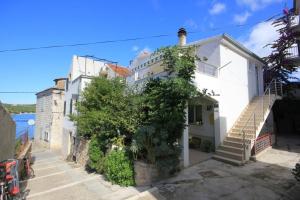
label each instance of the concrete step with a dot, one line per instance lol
(230, 155)
(250, 115)
(233, 144)
(236, 139)
(227, 160)
(249, 126)
(231, 149)
(239, 135)
(239, 130)
(248, 120)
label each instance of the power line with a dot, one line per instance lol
(17, 92)
(134, 38)
(85, 44)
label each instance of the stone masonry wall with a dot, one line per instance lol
(82, 148)
(7, 135)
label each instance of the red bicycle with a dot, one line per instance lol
(9, 182)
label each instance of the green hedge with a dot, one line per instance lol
(119, 168)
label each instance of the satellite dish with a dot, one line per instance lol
(31, 122)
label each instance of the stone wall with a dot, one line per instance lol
(7, 135)
(49, 118)
(43, 118)
(82, 148)
(145, 174)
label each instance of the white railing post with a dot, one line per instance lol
(254, 123)
(269, 97)
(263, 106)
(244, 145)
(275, 88)
(281, 89)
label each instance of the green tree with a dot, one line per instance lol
(164, 103)
(107, 110)
(279, 66)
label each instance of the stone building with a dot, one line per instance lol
(7, 134)
(49, 115)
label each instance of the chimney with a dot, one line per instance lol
(181, 37)
(60, 83)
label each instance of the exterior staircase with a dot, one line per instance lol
(236, 147)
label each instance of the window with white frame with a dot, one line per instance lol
(195, 114)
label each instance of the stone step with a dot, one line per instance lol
(233, 144)
(231, 149)
(227, 160)
(226, 154)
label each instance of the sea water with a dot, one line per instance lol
(22, 124)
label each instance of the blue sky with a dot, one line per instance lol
(34, 23)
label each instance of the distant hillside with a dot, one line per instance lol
(20, 108)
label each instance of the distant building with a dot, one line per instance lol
(83, 69)
(7, 134)
(49, 115)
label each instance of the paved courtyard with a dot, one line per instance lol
(57, 179)
(268, 178)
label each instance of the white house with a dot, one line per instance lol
(83, 69)
(233, 78)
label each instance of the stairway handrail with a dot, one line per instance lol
(267, 90)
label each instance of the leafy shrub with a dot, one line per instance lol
(96, 155)
(119, 168)
(18, 146)
(206, 146)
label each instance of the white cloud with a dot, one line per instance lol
(217, 8)
(257, 4)
(261, 35)
(191, 24)
(241, 18)
(135, 48)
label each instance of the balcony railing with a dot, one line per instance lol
(294, 20)
(293, 52)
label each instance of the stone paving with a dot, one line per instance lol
(57, 179)
(268, 178)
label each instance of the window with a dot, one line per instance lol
(46, 136)
(208, 69)
(67, 84)
(65, 108)
(195, 114)
(71, 102)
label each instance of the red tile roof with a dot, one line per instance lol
(121, 71)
